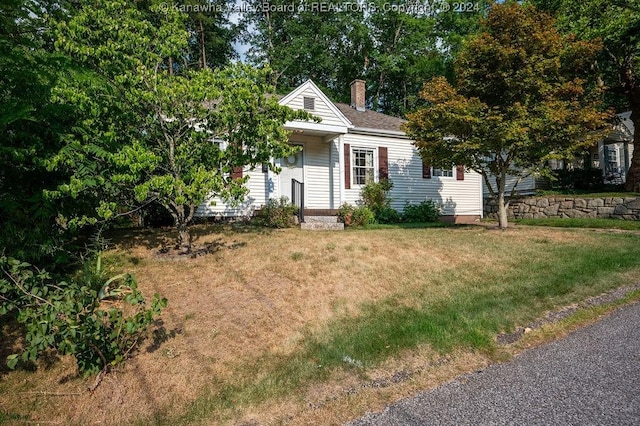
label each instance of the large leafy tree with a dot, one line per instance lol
(210, 33)
(404, 54)
(31, 129)
(411, 43)
(200, 128)
(152, 131)
(35, 123)
(298, 42)
(522, 96)
(394, 46)
(617, 25)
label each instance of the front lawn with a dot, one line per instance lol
(630, 225)
(300, 327)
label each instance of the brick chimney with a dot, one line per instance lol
(358, 95)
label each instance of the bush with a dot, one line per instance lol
(426, 211)
(584, 179)
(278, 213)
(387, 214)
(345, 213)
(355, 216)
(375, 196)
(96, 319)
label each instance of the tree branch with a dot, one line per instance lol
(17, 284)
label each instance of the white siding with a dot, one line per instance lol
(322, 108)
(322, 177)
(457, 197)
(526, 186)
(256, 197)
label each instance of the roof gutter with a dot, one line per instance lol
(379, 132)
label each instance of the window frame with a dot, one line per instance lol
(440, 176)
(374, 164)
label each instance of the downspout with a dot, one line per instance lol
(331, 179)
(341, 167)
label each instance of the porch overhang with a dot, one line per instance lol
(312, 128)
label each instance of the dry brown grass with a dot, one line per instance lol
(261, 293)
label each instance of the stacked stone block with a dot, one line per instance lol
(627, 208)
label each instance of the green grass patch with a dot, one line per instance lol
(576, 193)
(419, 225)
(473, 315)
(536, 275)
(11, 418)
(630, 225)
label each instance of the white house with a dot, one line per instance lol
(339, 155)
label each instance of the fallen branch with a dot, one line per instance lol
(45, 393)
(102, 372)
(98, 380)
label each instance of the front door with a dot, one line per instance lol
(292, 168)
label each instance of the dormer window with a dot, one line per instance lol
(309, 103)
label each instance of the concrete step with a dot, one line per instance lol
(321, 219)
(322, 226)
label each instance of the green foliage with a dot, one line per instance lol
(355, 215)
(583, 179)
(375, 196)
(426, 211)
(278, 213)
(31, 128)
(411, 47)
(299, 44)
(395, 50)
(98, 320)
(362, 215)
(386, 214)
(523, 96)
(213, 33)
(345, 213)
(154, 134)
(616, 24)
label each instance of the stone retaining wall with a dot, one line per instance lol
(627, 208)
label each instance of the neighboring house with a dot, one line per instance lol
(612, 156)
(348, 148)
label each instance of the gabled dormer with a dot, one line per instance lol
(309, 97)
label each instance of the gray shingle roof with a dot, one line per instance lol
(370, 119)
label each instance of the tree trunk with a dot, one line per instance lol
(203, 53)
(184, 238)
(502, 211)
(632, 182)
(501, 184)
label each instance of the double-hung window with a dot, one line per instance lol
(363, 166)
(443, 172)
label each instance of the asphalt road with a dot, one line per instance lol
(592, 377)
